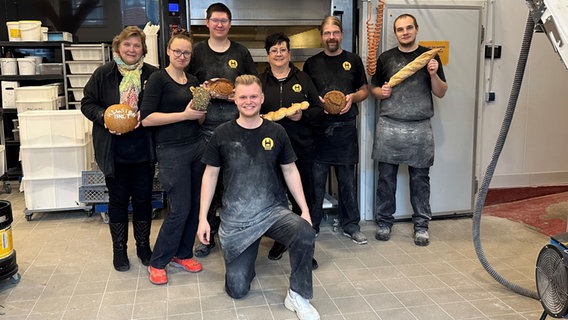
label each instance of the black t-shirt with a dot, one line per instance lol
(336, 135)
(163, 94)
(250, 162)
(207, 64)
(344, 72)
(411, 100)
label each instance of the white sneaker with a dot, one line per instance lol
(303, 308)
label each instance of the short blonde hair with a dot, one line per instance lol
(247, 80)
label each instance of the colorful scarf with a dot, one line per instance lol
(130, 85)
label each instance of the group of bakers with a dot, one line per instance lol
(232, 168)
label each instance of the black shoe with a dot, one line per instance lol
(203, 250)
(277, 251)
(421, 238)
(314, 264)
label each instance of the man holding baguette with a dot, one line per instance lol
(403, 133)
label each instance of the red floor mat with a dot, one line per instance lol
(547, 214)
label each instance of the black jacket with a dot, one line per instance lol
(100, 92)
(297, 87)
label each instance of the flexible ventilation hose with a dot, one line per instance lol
(521, 63)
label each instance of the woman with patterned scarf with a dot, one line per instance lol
(127, 160)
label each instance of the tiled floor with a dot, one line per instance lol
(65, 263)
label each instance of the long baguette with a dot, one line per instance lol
(413, 66)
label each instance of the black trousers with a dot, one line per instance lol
(132, 182)
(347, 183)
(419, 195)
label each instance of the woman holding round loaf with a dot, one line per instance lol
(290, 99)
(170, 106)
(126, 159)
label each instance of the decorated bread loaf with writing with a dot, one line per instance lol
(120, 118)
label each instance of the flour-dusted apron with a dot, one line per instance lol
(404, 142)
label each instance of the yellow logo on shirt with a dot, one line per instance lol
(346, 66)
(233, 63)
(267, 144)
(297, 87)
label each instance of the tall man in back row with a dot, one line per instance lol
(403, 133)
(253, 154)
(218, 57)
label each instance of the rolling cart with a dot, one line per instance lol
(95, 192)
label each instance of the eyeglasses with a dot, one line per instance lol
(278, 51)
(179, 53)
(221, 21)
(328, 34)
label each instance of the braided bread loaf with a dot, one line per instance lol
(284, 112)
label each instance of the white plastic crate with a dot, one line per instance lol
(36, 93)
(78, 80)
(87, 52)
(55, 162)
(83, 67)
(9, 94)
(52, 104)
(2, 159)
(54, 128)
(60, 193)
(77, 93)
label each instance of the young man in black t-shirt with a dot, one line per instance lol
(251, 153)
(218, 57)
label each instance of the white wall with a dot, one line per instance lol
(535, 152)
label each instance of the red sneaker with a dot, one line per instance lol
(190, 264)
(158, 276)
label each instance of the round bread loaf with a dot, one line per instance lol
(120, 118)
(221, 88)
(334, 101)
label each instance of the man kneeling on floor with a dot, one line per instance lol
(250, 152)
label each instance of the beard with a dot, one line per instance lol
(332, 45)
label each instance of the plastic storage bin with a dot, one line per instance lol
(55, 162)
(9, 94)
(87, 52)
(24, 106)
(54, 128)
(59, 36)
(77, 93)
(78, 80)
(2, 159)
(36, 93)
(41, 194)
(50, 68)
(83, 67)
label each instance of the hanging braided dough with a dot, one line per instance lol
(373, 36)
(286, 112)
(413, 66)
